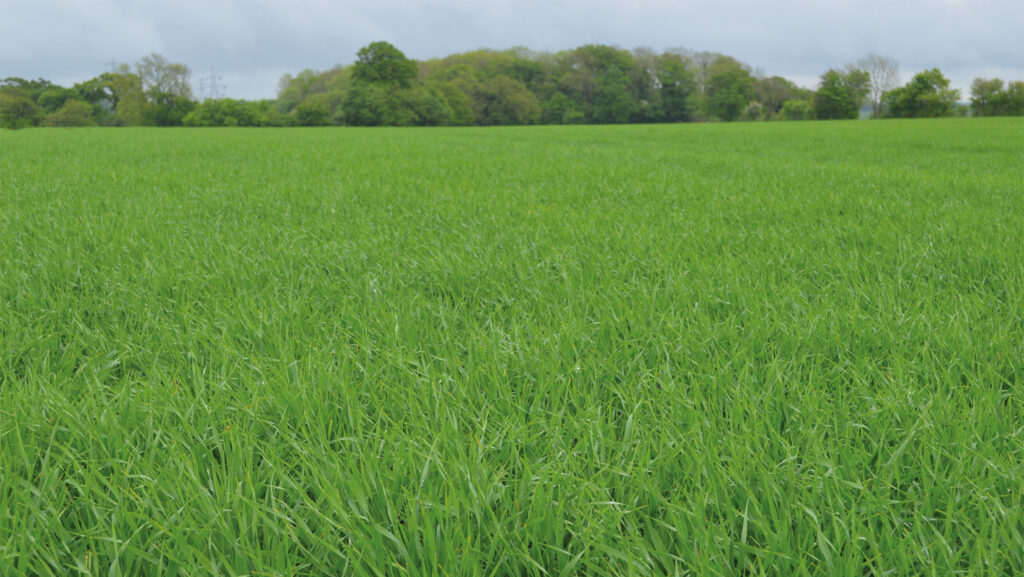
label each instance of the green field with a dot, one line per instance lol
(780, 349)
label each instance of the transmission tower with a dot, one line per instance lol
(210, 87)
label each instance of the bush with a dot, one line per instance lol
(312, 114)
(754, 111)
(795, 110)
(225, 112)
(73, 113)
(17, 111)
(927, 95)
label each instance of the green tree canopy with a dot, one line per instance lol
(505, 100)
(32, 89)
(456, 95)
(53, 98)
(841, 93)
(927, 95)
(312, 113)
(71, 113)
(225, 112)
(167, 109)
(728, 93)
(676, 86)
(161, 76)
(995, 98)
(985, 96)
(1013, 99)
(382, 63)
(377, 105)
(598, 77)
(796, 110)
(17, 110)
(774, 91)
(560, 109)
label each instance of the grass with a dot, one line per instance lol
(766, 349)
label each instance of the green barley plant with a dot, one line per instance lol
(760, 349)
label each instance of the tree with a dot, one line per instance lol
(116, 97)
(225, 112)
(985, 96)
(382, 63)
(884, 73)
(365, 104)
(370, 104)
(427, 107)
(598, 78)
(1013, 101)
(927, 95)
(753, 112)
(289, 94)
(17, 110)
(644, 87)
(795, 110)
(560, 109)
(128, 98)
(460, 104)
(72, 113)
(728, 93)
(312, 113)
(840, 94)
(383, 91)
(32, 89)
(676, 86)
(161, 76)
(503, 100)
(990, 98)
(284, 83)
(53, 98)
(702, 63)
(773, 92)
(166, 109)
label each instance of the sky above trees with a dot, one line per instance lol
(251, 43)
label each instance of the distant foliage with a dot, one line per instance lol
(167, 109)
(729, 92)
(382, 63)
(53, 99)
(592, 84)
(841, 93)
(17, 110)
(504, 100)
(72, 113)
(796, 110)
(994, 98)
(312, 114)
(597, 77)
(161, 76)
(884, 75)
(775, 92)
(672, 89)
(927, 95)
(227, 112)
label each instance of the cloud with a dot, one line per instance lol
(252, 42)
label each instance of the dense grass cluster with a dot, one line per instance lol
(696, 350)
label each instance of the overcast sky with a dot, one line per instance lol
(251, 43)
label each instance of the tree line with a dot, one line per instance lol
(592, 84)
